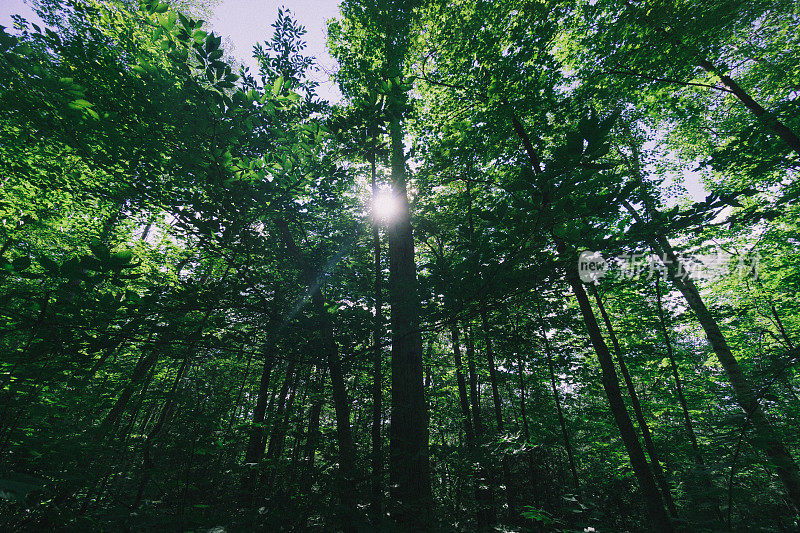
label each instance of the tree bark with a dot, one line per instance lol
(769, 120)
(477, 422)
(408, 432)
(687, 419)
(256, 444)
(376, 483)
(658, 515)
(561, 419)
(637, 409)
(498, 409)
(341, 402)
(463, 398)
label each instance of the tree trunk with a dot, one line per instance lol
(408, 434)
(767, 119)
(526, 432)
(561, 419)
(777, 127)
(161, 423)
(477, 422)
(655, 507)
(140, 371)
(376, 483)
(498, 410)
(637, 409)
(287, 388)
(341, 403)
(687, 419)
(659, 519)
(463, 398)
(256, 443)
(310, 453)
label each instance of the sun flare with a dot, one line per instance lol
(385, 206)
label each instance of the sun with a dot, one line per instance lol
(385, 206)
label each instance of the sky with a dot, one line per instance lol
(243, 23)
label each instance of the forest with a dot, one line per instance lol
(537, 270)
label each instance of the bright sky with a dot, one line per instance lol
(246, 22)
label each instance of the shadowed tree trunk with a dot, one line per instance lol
(498, 405)
(647, 483)
(408, 431)
(376, 482)
(637, 408)
(687, 419)
(561, 419)
(655, 507)
(256, 444)
(340, 401)
(765, 118)
(463, 398)
(484, 491)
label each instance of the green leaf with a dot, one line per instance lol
(169, 21)
(80, 104)
(122, 258)
(199, 36)
(99, 249)
(213, 42)
(277, 85)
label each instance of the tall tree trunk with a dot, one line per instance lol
(163, 419)
(463, 398)
(472, 372)
(766, 118)
(312, 441)
(287, 387)
(526, 432)
(408, 435)
(769, 120)
(256, 444)
(341, 403)
(637, 408)
(498, 405)
(658, 515)
(687, 419)
(498, 412)
(376, 483)
(483, 513)
(484, 485)
(140, 371)
(279, 422)
(283, 426)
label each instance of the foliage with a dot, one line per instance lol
(188, 272)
